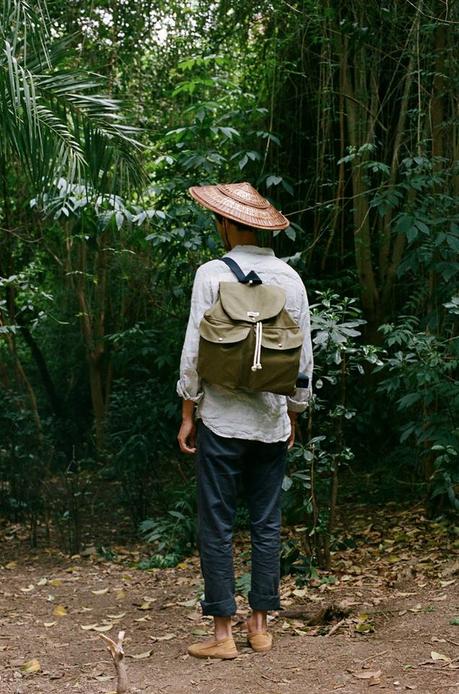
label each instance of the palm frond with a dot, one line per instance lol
(56, 122)
(25, 26)
(32, 128)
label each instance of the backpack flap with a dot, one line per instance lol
(251, 303)
(222, 333)
(281, 339)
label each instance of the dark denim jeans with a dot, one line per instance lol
(223, 466)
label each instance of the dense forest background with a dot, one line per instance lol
(345, 115)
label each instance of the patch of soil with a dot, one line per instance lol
(396, 590)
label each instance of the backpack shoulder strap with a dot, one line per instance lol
(250, 278)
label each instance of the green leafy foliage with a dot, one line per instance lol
(100, 241)
(419, 377)
(312, 483)
(55, 121)
(172, 535)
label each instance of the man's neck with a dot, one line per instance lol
(242, 238)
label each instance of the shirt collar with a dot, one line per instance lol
(256, 250)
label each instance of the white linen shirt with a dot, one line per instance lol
(241, 413)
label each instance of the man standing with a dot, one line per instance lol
(241, 436)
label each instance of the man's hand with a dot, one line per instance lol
(187, 437)
(291, 439)
(187, 433)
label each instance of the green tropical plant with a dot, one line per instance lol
(419, 376)
(173, 534)
(312, 485)
(351, 131)
(55, 121)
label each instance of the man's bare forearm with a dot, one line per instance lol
(187, 410)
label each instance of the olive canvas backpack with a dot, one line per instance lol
(248, 339)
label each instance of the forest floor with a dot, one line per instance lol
(393, 627)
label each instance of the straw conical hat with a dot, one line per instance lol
(241, 203)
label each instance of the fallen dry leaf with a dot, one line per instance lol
(199, 632)
(29, 588)
(373, 681)
(400, 594)
(141, 656)
(102, 591)
(188, 603)
(102, 629)
(88, 551)
(71, 570)
(31, 666)
(300, 592)
(367, 674)
(364, 625)
(166, 637)
(49, 624)
(95, 627)
(301, 632)
(439, 656)
(416, 608)
(146, 606)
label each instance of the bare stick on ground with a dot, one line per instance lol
(117, 653)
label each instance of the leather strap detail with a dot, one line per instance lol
(250, 278)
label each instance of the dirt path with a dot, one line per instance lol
(401, 588)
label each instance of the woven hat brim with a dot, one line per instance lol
(267, 218)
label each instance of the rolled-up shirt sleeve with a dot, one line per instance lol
(299, 400)
(202, 298)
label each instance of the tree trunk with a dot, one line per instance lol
(92, 324)
(360, 128)
(47, 381)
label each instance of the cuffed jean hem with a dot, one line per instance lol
(264, 603)
(224, 608)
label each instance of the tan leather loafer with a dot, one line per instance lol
(260, 642)
(224, 649)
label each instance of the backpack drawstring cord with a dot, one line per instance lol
(257, 353)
